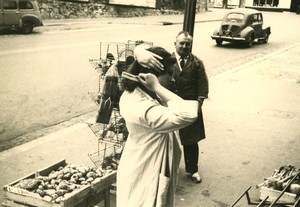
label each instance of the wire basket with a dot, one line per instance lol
(108, 156)
(109, 52)
(114, 132)
(131, 44)
(116, 51)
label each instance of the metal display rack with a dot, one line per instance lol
(111, 136)
(109, 52)
(111, 140)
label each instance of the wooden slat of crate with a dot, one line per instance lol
(77, 197)
(89, 201)
(29, 201)
(83, 203)
(87, 196)
(9, 203)
(70, 200)
(29, 198)
(103, 185)
(42, 172)
(273, 194)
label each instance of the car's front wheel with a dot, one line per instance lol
(250, 41)
(219, 42)
(27, 27)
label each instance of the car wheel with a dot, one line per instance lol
(219, 42)
(250, 41)
(27, 27)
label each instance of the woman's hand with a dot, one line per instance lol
(148, 59)
(149, 80)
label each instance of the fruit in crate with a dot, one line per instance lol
(54, 186)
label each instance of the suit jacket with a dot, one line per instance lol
(192, 82)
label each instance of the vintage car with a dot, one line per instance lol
(20, 14)
(242, 25)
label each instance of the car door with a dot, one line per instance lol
(11, 14)
(257, 24)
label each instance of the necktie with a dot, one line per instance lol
(182, 62)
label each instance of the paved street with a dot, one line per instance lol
(252, 122)
(38, 74)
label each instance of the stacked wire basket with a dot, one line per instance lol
(111, 137)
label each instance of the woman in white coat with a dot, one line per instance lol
(149, 165)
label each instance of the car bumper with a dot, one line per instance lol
(228, 38)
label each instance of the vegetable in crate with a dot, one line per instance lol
(282, 177)
(54, 186)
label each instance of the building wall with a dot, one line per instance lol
(54, 9)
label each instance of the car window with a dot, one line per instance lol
(235, 17)
(9, 5)
(257, 18)
(260, 18)
(25, 5)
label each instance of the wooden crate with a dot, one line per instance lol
(273, 195)
(86, 196)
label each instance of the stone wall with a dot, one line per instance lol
(54, 9)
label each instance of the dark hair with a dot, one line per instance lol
(135, 68)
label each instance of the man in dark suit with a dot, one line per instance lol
(191, 84)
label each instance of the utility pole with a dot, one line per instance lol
(189, 16)
(241, 3)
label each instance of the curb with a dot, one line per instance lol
(42, 140)
(163, 23)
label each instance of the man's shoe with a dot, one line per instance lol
(196, 178)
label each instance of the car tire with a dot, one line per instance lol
(250, 41)
(27, 27)
(219, 42)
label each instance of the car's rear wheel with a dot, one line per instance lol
(219, 42)
(27, 27)
(250, 41)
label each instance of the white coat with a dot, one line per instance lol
(149, 164)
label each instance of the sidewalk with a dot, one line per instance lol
(65, 24)
(252, 124)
